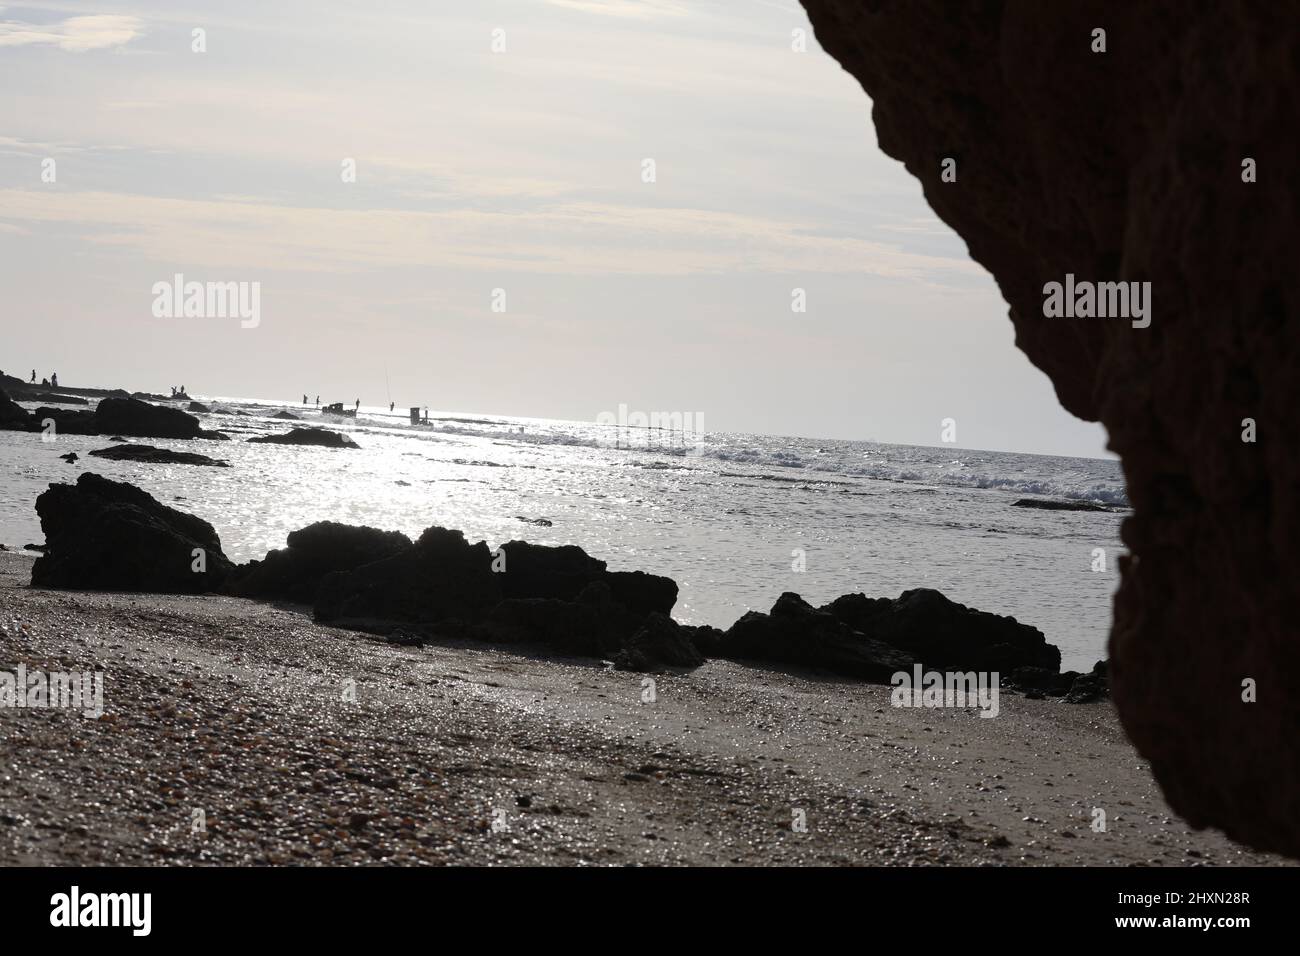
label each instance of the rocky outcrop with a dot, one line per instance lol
(147, 454)
(797, 633)
(13, 417)
(658, 644)
(307, 436)
(129, 416)
(1161, 160)
(441, 578)
(197, 407)
(111, 536)
(874, 638)
(287, 416)
(295, 573)
(1049, 504)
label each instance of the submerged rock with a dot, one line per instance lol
(295, 573)
(198, 407)
(147, 454)
(307, 436)
(287, 416)
(109, 535)
(1051, 504)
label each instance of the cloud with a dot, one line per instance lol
(630, 9)
(565, 238)
(75, 34)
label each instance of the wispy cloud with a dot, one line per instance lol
(630, 9)
(74, 34)
(576, 238)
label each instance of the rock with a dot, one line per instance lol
(1051, 505)
(946, 636)
(13, 417)
(128, 416)
(109, 535)
(541, 571)
(286, 416)
(796, 633)
(295, 573)
(117, 438)
(307, 436)
(642, 593)
(147, 454)
(198, 407)
(34, 547)
(55, 399)
(1075, 162)
(660, 642)
(540, 522)
(71, 457)
(1091, 687)
(564, 626)
(440, 578)
(67, 421)
(1040, 681)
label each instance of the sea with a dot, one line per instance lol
(734, 519)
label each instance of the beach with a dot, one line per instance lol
(464, 754)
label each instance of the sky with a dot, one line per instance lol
(504, 247)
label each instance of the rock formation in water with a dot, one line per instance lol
(1169, 158)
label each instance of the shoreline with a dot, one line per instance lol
(234, 707)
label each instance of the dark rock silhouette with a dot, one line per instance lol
(944, 635)
(109, 535)
(797, 633)
(129, 416)
(197, 407)
(442, 577)
(13, 417)
(658, 644)
(307, 436)
(1125, 166)
(1051, 505)
(295, 573)
(287, 416)
(147, 454)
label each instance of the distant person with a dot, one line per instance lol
(318, 401)
(304, 399)
(391, 406)
(33, 381)
(358, 404)
(54, 380)
(45, 383)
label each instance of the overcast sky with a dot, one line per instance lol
(477, 170)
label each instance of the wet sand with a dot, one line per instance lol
(466, 754)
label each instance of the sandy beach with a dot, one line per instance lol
(468, 754)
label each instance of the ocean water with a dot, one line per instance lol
(734, 519)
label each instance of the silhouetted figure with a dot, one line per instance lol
(33, 381)
(318, 401)
(45, 383)
(304, 399)
(391, 406)
(54, 380)
(358, 404)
